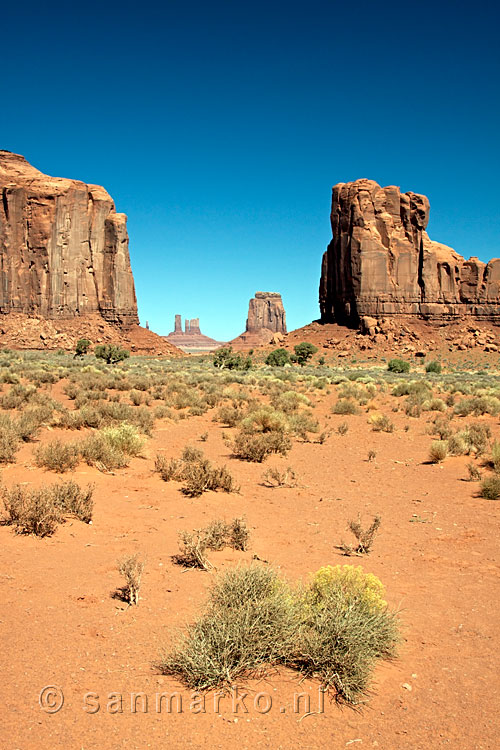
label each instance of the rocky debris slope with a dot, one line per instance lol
(63, 248)
(266, 322)
(19, 331)
(381, 263)
(191, 339)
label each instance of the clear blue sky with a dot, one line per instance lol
(220, 128)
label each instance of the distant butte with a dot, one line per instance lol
(191, 339)
(266, 322)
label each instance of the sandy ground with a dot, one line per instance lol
(437, 554)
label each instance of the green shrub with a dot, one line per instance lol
(124, 438)
(304, 352)
(111, 354)
(97, 451)
(278, 358)
(82, 347)
(398, 365)
(433, 366)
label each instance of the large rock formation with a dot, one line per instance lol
(266, 321)
(191, 339)
(63, 248)
(381, 262)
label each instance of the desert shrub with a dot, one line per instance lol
(289, 402)
(71, 498)
(250, 447)
(302, 423)
(111, 354)
(434, 404)
(225, 358)
(137, 397)
(273, 477)
(191, 454)
(97, 451)
(495, 456)
(345, 406)
(477, 405)
(200, 476)
(278, 358)
(82, 347)
(193, 546)
(265, 419)
(474, 474)
(216, 536)
(346, 628)
(124, 438)
(364, 537)
(39, 511)
(303, 352)
(438, 451)
(248, 624)
(398, 365)
(229, 415)
(490, 488)
(441, 426)
(343, 428)
(381, 423)
(433, 367)
(168, 469)
(335, 629)
(238, 534)
(57, 456)
(131, 568)
(456, 445)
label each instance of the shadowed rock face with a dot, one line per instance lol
(381, 262)
(266, 310)
(63, 248)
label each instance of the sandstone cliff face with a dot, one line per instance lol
(266, 322)
(266, 310)
(63, 248)
(381, 262)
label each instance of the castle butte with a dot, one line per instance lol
(191, 340)
(382, 264)
(266, 322)
(64, 264)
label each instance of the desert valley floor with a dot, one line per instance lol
(62, 625)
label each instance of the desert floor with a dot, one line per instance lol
(437, 555)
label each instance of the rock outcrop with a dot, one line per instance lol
(191, 339)
(266, 321)
(63, 248)
(381, 263)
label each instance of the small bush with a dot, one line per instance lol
(433, 367)
(490, 488)
(438, 451)
(168, 469)
(57, 456)
(398, 365)
(39, 511)
(9, 439)
(278, 358)
(381, 423)
(97, 451)
(111, 354)
(256, 448)
(345, 406)
(124, 438)
(474, 473)
(343, 428)
(276, 478)
(131, 568)
(364, 537)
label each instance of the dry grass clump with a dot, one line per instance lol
(474, 473)
(9, 439)
(381, 423)
(274, 477)
(490, 488)
(346, 406)
(335, 628)
(197, 472)
(39, 511)
(256, 447)
(438, 451)
(364, 537)
(131, 568)
(57, 456)
(216, 536)
(111, 447)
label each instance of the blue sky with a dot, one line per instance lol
(219, 128)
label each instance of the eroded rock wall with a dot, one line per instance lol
(381, 262)
(63, 248)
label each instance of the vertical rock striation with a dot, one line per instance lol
(381, 262)
(63, 248)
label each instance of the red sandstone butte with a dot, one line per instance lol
(266, 321)
(381, 262)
